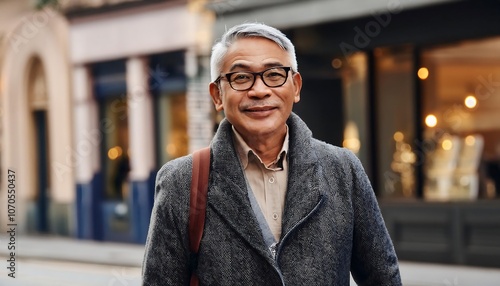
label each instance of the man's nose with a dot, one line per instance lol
(259, 88)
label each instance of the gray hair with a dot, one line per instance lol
(246, 30)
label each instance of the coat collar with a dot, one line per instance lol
(228, 194)
(304, 175)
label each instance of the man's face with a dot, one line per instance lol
(261, 111)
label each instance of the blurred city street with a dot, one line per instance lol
(97, 95)
(68, 262)
(64, 273)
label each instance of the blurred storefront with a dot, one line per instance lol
(413, 88)
(96, 96)
(140, 73)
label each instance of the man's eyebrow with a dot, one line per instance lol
(273, 64)
(245, 66)
(238, 65)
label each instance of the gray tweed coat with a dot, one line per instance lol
(331, 222)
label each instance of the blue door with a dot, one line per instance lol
(42, 200)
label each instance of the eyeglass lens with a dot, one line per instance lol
(272, 77)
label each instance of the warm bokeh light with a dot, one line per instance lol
(336, 63)
(470, 140)
(431, 120)
(352, 144)
(407, 155)
(398, 136)
(112, 153)
(115, 152)
(447, 144)
(423, 73)
(351, 137)
(470, 101)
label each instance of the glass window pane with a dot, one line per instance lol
(355, 95)
(462, 124)
(115, 147)
(395, 111)
(172, 126)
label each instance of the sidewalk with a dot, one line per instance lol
(419, 274)
(122, 254)
(71, 249)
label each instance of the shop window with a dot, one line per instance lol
(172, 126)
(461, 100)
(354, 72)
(115, 147)
(110, 92)
(379, 104)
(394, 127)
(168, 84)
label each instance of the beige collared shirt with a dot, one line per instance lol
(268, 183)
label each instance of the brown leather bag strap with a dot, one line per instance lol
(198, 204)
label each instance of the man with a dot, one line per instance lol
(283, 208)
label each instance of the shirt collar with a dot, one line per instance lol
(245, 152)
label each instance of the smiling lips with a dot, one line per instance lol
(259, 108)
(259, 111)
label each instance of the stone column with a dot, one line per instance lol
(142, 147)
(85, 157)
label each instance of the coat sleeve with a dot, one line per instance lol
(373, 260)
(166, 255)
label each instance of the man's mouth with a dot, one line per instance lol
(260, 108)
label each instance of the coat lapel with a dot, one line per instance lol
(303, 193)
(302, 197)
(228, 194)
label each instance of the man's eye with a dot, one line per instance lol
(241, 77)
(274, 74)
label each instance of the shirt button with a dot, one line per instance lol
(271, 180)
(275, 216)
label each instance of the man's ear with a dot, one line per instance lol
(297, 83)
(216, 96)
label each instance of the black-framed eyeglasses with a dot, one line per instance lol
(244, 80)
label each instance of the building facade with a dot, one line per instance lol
(36, 118)
(96, 96)
(139, 99)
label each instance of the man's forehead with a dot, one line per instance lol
(257, 40)
(246, 53)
